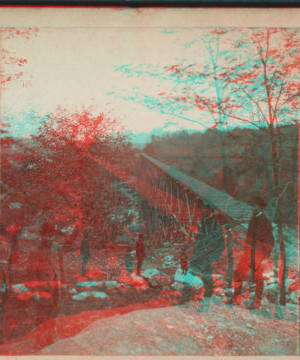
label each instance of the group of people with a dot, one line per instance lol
(211, 243)
(209, 246)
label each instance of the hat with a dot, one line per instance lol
(258, 200)
(48, 229)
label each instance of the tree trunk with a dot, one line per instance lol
(230, 266)
(284, 267)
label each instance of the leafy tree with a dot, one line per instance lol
(269, 81)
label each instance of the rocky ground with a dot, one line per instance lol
(149, 305)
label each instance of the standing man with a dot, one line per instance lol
(43, 267)
(259, 245)
(140, 251)
(184, 261)
(208, 250)
(85, 253)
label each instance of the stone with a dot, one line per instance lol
(35, 295)
(96, 274)
(111, 284)
(19, 289)
(151, 272)
(89, 294)
(188, 279)
(220, 283)
(177, 286)
(293, 298)
(219, 291)
(217, 277)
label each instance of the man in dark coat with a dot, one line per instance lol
(259, 245)
(140, 251)
(208, 250)
(85, 253)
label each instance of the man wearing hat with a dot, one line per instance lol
(259, 245)
(85, 253)
(140, 251)
(43, 267)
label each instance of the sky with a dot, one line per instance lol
(74, 67)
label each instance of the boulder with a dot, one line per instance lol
(155, 278)
(88, 284)
(90, 294)
(123, 288)
(139, 283)
(134, 280)
(19, 289)
(148, 273)
(220, 284)
(293, 297)
(217, 277)
(111, 284)
(219, 291)
(98, 284)
(177, 286)
(96, 274)
(188, 279)
(35, 295)
(42, 285)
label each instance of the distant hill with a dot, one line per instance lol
(249, 162)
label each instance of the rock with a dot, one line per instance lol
(219, 291)
(98, 284)
(294, 286)
(19, 289)
(88, 294)
(88, 284)
(188, 279)
(220, 283)
(155, 278)
(151, 272)
(217, 277)
(139, 283)
(175, 295)
(96, 274)
(294, 298)
(36, 295)
(42, 285)
(123, 288)
(111, 284)
(159, 281)
(81, 278)
(134, 280)
(177, 286)
(271, 292)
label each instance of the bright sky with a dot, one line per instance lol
(75, 66)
